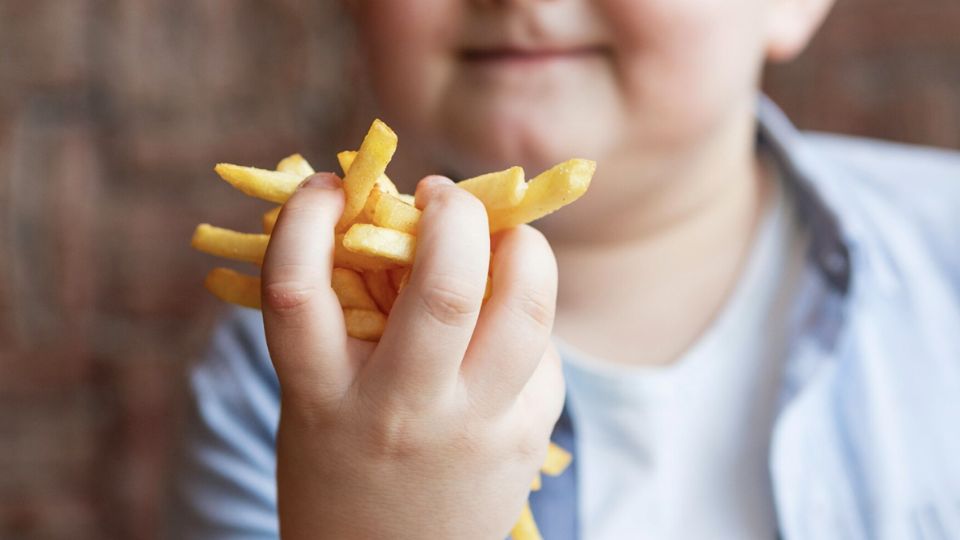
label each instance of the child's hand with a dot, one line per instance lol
(437, 431)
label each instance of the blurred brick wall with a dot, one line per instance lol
(111, 114)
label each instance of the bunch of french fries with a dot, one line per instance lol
(376, 237)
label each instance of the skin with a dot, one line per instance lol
(437, 430)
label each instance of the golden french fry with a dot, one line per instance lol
(557, 460)
(371, 206)
(525, 528)
(497, 190)
(295, 164)
(350, 290)
(230, 244)
(346, 160)
(537, 483)
(546, 193)
(365, 324)
(344, 258)
(382, 291)
(391, 212)
(371, 161)
(234, 287)
(387, 245)
(273, 186)
(409, 199)
(270, 219)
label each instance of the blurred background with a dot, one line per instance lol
(112, 113)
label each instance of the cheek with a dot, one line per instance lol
(405, 46)
(683, 63)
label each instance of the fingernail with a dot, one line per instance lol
(437, 180)
(321, 181)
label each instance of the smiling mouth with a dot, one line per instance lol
(512, 55)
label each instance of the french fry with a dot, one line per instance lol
(234, 287)
(557, 461)
(273, 186)
(365, 324)
(388, 245)
(346, 157)
(270, 219)
(497, 190)
(537, 483)
(371, 161)
(525, 528)
(344, 258)
(409, 199)
(350, 290)
(230, 244)
(382, 291)
(393, 213)
(295, 164)
(549, 191)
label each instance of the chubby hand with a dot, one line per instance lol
(437, 430)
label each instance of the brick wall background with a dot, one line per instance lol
(111, 115)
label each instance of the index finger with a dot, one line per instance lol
(301, 314)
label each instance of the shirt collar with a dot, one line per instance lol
(829, 251)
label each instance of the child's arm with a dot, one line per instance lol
(438, 430)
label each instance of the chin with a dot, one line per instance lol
(536, 142)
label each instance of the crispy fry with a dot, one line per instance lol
(525, 528)
(387, 245)
(382, 291)
(537, 483)
(557, 460)
(295, 164)
(230, 244)
(497, 190)
(346, 157)
(365, 324)
(391, 212)
(350, 290)
(371, 161)
(270, 219)
(344, 258)
(234, 287)
(546, 193)
(409, 199)
(273, 186)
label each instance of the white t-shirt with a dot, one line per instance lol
(681, 451)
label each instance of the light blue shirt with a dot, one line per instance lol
(866, 439)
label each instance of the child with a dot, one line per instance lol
(758, 328)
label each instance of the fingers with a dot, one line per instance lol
(544, 393)
(433, 318)
(301, 314)
(514, 327)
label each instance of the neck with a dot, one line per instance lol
(670, 251)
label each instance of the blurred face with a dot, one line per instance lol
(482, 85)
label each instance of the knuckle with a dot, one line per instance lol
(450, 301)
(535, 305)
(286, 296)
(396, 436)
(532, 446)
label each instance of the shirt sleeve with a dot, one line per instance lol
(225, 483)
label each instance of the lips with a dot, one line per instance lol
(527, 55)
